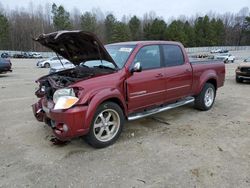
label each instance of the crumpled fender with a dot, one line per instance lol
(98, 98)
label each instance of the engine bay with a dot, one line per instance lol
(50, 83)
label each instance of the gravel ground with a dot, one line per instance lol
(179, 148)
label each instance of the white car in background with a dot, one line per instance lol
(215, 51)
(36, 55)
(58, 68)
(225, 57)
(52, 62)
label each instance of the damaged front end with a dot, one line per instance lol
(60, 105)
(57, 96)
(61, 81)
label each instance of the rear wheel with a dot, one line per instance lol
(106, 125)
(205, 100)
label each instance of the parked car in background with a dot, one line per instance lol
(5, 55)
(5, 65)
(216, 51)
(219, 51)
(247, 60)
(242, 72)
(18, 55)
(224, 51)
(36, 55)
(52, 62)
(27, 55)
(118, 82)
(61, 67)
(226, 58)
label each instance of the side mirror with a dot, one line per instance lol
(137, 68)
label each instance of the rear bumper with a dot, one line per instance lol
(66, 124)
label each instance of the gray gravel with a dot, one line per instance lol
(179, 148)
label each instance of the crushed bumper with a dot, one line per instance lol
(66, 124)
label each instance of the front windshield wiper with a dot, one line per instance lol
(82, 65)
(105, 67)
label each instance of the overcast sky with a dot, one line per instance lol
(163, 8)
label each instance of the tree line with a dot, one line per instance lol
(18, 27)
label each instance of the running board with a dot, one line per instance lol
(161, 109)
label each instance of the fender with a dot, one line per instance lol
(207, 75)
(100, 97)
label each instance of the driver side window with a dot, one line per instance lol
(149, 57)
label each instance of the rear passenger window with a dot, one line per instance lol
(149, 57)
(173, 55)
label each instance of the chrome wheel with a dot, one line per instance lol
(106, 125)
(209, 97)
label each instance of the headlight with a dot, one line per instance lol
(64, 98)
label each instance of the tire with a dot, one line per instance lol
(205, 100)
(101, 134)
(238, 80)
(47, 65)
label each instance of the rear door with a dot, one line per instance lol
(146, 88)
(179, 74)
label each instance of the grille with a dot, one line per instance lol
(245, 69)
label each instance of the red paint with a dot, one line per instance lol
(162, 85)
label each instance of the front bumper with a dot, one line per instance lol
(243, 75)
(66, 124)
(5, 69)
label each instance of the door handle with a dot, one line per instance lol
(159, 75)
(188, 70)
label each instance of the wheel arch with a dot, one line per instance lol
(117, 101)
(105, 95)
(208, 76)
(212, 81)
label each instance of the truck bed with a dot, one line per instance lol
(204, 68)
(203, 60)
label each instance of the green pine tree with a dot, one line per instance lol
(61, 18)
(4, 32)
(89, 22)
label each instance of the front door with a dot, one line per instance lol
(146, 89)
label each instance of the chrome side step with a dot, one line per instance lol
(161, 109)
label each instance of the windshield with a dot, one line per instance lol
(119, 53)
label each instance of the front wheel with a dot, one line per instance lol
(106, 125)
(205, 100)
(47, 65)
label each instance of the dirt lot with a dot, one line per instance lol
(179, 148)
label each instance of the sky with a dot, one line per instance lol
(166, 9)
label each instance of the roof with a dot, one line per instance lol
(145, 42)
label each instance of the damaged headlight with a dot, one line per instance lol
(64, 98)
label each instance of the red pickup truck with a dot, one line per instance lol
(118, 82)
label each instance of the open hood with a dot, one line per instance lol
(76, 46)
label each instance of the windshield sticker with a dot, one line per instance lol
(125, 49)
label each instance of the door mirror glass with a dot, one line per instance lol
(137, 67)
